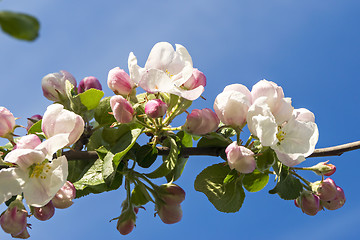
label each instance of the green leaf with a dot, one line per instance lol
(91, 98)
(140, 195)
(102, 115)
(169, 162)
(231, 176)
(288, 187)
(255, 181)
(96, 141)
(185, 139)
(227, 197)
(19, 25)
(215, 140)
(265, 159)
(113, 134)
(178, 170)
(77, 169)
(35, 128)
(146, 156)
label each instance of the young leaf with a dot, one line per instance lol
(227, 197)
(19, 25)
(255, 181)
(91, 98)
(140, 195)
(265, 159)
(35, 128)
(146, 156)
(102, 115)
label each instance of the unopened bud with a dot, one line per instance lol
(324, 168)
(197, 79)
(155, 108)
(309, 203)
(200, 122)
(337, 202)
(45, 212)
(326, 190)
(14, 220)
(89, 82)
(119, 81)
(170, 214)
(63, 198)
(122, 109)
(125, 226)
(33, 120)
(172, 194)
(240, 158)
(23, 235)
(54, 84)
(28, 142)
(7, 122)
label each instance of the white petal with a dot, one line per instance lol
(24, 158)
(10, 183)
(283, 110)
(58, 120)
(239, 88)
(161, 55)
(289, 159)
(51, 145)
(38, 192)
(135, 71)
(188, 94)
(304, 115)
(155, 80)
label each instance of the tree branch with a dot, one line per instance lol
(216, 151)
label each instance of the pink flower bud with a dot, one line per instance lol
(28, 142)
(309, 203)
(23, 235)
(63, 198)
(89, 82)
(337, 202)
(326, 190)
(53, 84)
(14, 220)
(7, 122)
(122, 109)
(58, 120)
(172, 194)
(45, 212)
(268, 89)
(200, 122)
(324, 168)
(170, 214)
(232, 105)
(33, 120)
(240, 158)
(155, 108)
(119, 81)
(125, 226)
(197, 79)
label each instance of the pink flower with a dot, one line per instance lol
(7, 122)
(197, 79)
(155, 108)
(326, 190)
(201, 122)
(45, 212)
(54, 84)
(63, 198)
(28, 142)
(240, 158)
(122, 109)
(89, 82)
(309, 203)
(14, 220)
(337, 202)
(58, 120)
(119, 82)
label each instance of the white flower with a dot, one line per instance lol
(166, 70)
(293, 139)
(35, 175)
(58, 120)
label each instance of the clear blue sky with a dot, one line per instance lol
(310, 48)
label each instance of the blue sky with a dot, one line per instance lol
(310, 48)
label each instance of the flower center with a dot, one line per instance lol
(37, 169)
(168, 73)
(280, 134)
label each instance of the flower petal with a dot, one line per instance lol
(161, 55)
(51, 145)
(10, 184)
(24, 158)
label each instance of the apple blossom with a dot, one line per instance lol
(63, 198)
(309, 203)
(119, 82)
(28, 142)
(172, 194)
(166, 70)
(45, 212)
(337, 202)
(231, 106)
(7, 122)
(89, 82)
(54, 84)
(58, 120)
(125, 227)
(326, 190)
(169, 214)
(155, 108)
(14, 220)
(33, 120)
(197, 79)
(324, 168)
(122, 109)
(240, 158)
(35, 174)
(201, 122)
